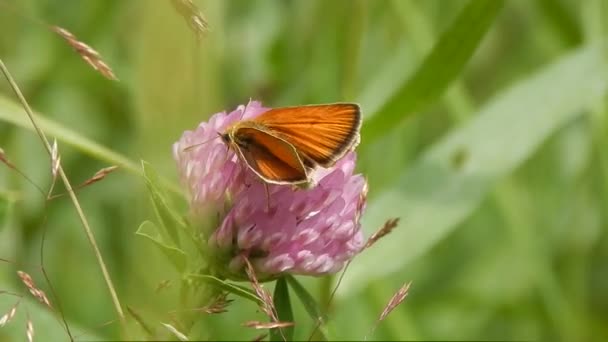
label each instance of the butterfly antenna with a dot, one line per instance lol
(186, 149)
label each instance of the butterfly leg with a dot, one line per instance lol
(267, 196)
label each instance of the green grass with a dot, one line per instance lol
(485, 130)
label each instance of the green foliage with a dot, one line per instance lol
(227, 286)
(282, 304)
(458, 43)
(311, 306)
(449, 180)
(176, 256)
(485, 131)
(168, 217)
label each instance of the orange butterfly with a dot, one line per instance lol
(283, 145)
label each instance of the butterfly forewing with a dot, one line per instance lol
(321, 133)
(271, 158)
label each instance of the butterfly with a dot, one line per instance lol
(284, 145)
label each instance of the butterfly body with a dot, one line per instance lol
(283, 145)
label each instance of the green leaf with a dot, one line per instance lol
(450, 180)
(235, 289)
(561, 20)
(176, 256)
(168, 217)
(282, 304)
(13, 113)
(443, 64)
(310, 305)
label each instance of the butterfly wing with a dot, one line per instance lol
(271, 158)
(321, 133)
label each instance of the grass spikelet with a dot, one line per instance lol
(55, 160)
(388, 227)
(397, 299)
(90, 55)
(31, 286)
(29, 330)
(219, 305)
(193, 16)
(267, 304)
(266, 325)
(7, 317)
(99, 175)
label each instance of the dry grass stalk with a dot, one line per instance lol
(219, 305)
(98, 176)
(7, 317)
(265, 325)
(388, 227)
(193, 16)
(85, 223)
(36, 292)
(4, 159)
(181, 336)
(140, 321)
(92, 57)
(397, 299)
(267, 304)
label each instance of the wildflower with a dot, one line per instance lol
(311, 231)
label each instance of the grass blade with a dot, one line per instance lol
(282, 303)
(175, 255)
(443, 64)
(167, 216)
(310, 305)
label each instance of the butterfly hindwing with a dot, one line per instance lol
(271, 158)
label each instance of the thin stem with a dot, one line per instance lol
(68, 187)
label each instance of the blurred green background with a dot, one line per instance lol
(486, 131)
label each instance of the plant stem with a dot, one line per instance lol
(69, 189)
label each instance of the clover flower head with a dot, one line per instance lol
(312, 231)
